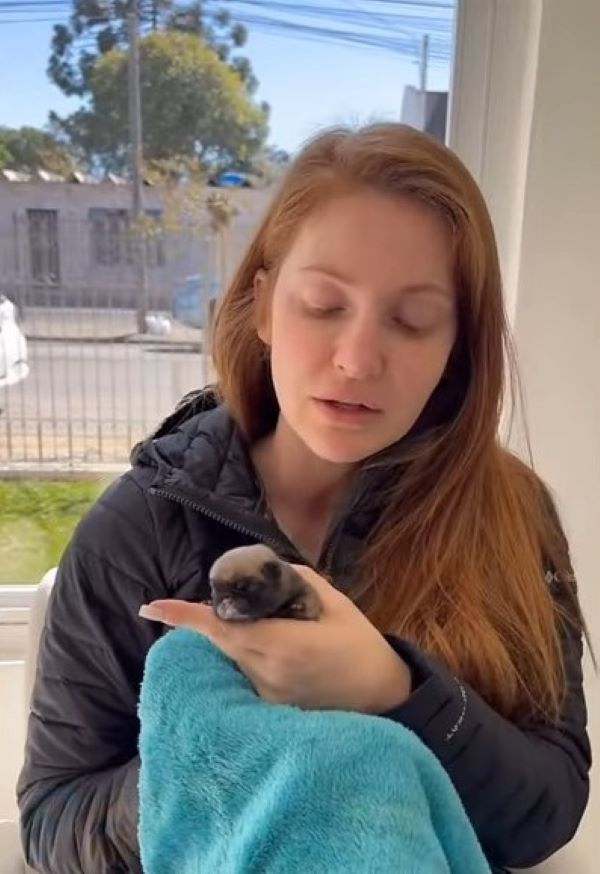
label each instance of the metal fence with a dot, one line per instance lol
(96, 383)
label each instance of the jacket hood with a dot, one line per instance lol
(200, 449)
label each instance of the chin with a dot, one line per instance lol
(339, 449)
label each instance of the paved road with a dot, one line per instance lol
(93, 400)
(83, 323)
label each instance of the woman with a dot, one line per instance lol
(359, 352)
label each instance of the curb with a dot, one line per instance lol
(63, 472)
(134, 339)
(40, 338)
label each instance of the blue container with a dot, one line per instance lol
(194, 299)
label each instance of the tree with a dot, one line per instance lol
(5, 155)
(194, 106)
(28, 149)
(96, 27)
(220, 215)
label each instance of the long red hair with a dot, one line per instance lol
(456, 563)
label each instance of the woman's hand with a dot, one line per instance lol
(338, 662)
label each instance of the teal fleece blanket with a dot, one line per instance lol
(230, 784)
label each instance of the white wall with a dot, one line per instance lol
(526, 119)
(557, 314)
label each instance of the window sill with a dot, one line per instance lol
(15, 606)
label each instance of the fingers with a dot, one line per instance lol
(236, 639)
(182, 614)
(261, 637)
(231, 637)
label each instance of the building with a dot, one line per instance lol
(72, 242)
(429, 116)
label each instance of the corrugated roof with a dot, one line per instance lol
(75, 178)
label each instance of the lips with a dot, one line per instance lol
(351, 404)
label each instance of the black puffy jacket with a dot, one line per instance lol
(191, 494)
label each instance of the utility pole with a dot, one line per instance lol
(423, 79)
(135, 135)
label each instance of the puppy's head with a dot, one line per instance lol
(246, 583)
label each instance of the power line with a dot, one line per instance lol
(29, 21)
(381, 19)
(357, 15)
(408, 45)
(358, 27)
(34, 5)
(408, 29)
(416, 6)
(421, 4)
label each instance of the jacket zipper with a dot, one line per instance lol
(277, 545)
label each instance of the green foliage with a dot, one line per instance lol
(5, 156)
(194, 106)
(220, 212)
(37, 519)
(98, 26)
(29, 149)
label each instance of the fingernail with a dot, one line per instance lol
(147, 611)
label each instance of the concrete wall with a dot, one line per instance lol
(188, 248)
(81, 280)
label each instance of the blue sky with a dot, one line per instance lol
(308, 84)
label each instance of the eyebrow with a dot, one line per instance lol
(413, 288)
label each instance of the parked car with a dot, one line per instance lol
(13, 345)
(231, 179)
(194, 301)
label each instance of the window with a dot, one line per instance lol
(113, 240)
(110, 237)
(43, 245)
(316, 64)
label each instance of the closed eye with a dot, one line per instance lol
(322, 312)
(410, 328)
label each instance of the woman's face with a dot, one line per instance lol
(360, 321)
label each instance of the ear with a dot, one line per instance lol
(262, 305)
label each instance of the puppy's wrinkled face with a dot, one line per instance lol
(251, 582)
(247, 596)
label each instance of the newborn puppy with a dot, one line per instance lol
(252, 582)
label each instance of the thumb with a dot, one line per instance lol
(322, 586)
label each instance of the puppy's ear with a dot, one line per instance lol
(271, 571)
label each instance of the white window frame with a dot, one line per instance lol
(15, 605)
(491, 107)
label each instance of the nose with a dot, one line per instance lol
(359, 350)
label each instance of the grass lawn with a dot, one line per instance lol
(37, 518)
